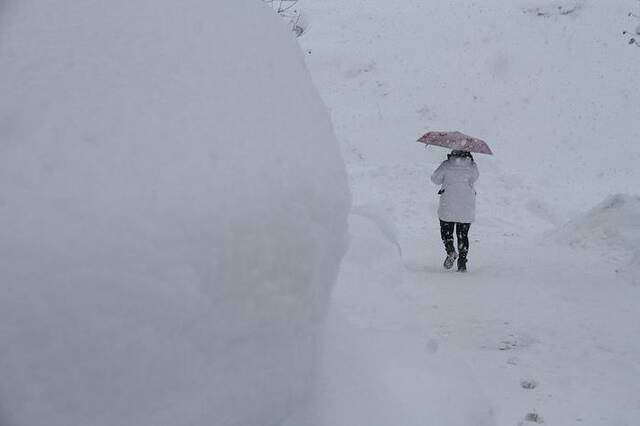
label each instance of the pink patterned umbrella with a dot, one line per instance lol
(456, 141)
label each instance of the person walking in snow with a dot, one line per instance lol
(456, 175)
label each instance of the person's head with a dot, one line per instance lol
(460, 154)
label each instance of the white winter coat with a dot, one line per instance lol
(458, 201)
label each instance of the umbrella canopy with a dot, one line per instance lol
(456, 141)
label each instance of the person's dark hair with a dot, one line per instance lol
(460, 154)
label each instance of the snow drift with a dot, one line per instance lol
(612, 225)
(173, 212)
(614, 222)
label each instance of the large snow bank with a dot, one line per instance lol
(172, 214)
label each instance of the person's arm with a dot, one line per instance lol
(438, 176)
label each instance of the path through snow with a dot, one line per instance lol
(529, 311)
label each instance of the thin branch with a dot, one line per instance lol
(286, 9)
(292, 4)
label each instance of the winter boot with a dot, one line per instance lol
(451, 257)
(462, 264)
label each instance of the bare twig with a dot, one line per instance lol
(633, 35)
(291, 5)
(286, 9)
(297, 28)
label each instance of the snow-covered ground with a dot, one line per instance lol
(545, 327)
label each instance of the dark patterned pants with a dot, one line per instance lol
(462, 232)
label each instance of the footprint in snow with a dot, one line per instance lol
(528, 384)
(532, 417)
(507, 345)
